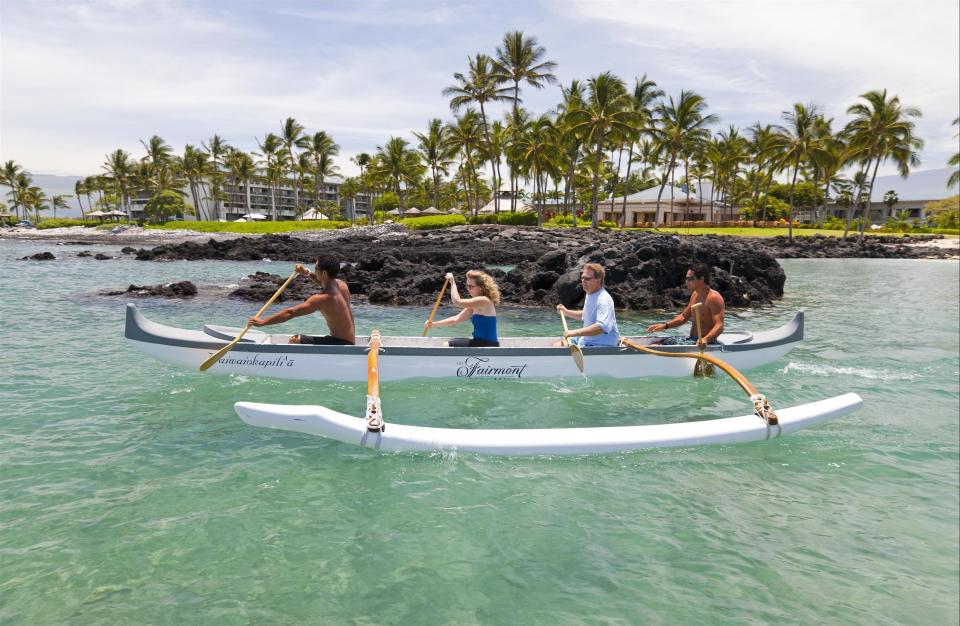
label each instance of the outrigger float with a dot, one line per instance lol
(518, 358)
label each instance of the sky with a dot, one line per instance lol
(80, 79)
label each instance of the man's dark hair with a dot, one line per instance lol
(329, 264)
(701, 270)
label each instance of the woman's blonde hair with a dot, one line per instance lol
(487, 285)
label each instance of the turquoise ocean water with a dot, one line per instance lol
(131, 493)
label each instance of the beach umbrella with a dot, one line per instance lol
(393, 212)
(313, 214)
(431, 211)
(412, 211)
(255, 216)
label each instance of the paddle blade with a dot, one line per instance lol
(698, 370)
(577, 355)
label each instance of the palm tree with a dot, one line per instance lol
(193, 165)
(8, 176)
(890, 200)
(464, 136)
(606, 114)
(120, 168)
(435, 152)
(764, 146)
(59, 201)
(80, 189)
(645, 95)
(800, 142)
(363, 161)
(270, 150)
(217, 148)
(480, 86)
(401, 164)
(538, 154)
(954, 162)
(160, 156)
(90, 185)
(291, 131)
(322, 148)
(881, 129)
(681, 124)
(568, 138)
(519, 59)
(243, 170)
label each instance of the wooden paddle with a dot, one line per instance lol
(575, 350)
(701, 368)
(374, 414)
(435, 305)
(760, 405)
(219, 353)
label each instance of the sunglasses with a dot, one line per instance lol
(588, 278)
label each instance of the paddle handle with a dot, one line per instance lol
(563, 320)
(216, 356)
(696, 317)
(435, 306)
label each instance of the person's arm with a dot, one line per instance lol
(311, 305)
(673, 322)
(606, 320)
(572, 314)
(462, 316)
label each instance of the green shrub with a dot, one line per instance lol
(834, 223)
(62, 222)
(507, 219)
(561, 220)
(607, 224)
(252, 227)
(433, 221)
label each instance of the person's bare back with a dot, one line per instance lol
(334, 304)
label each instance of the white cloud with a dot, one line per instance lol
(80, 79)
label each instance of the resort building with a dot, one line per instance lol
(913, 194)
(641, 207)
(233, 205)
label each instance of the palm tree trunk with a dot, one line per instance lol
(796, 170)
(856, 201)
(868, 210)
(623, 206)
(594, 218)
(656, 215)
(616, 179)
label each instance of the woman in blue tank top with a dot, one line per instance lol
(480, 308)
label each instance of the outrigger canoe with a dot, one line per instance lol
(271, 355)
(318, 420)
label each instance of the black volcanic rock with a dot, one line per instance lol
(181, 289)
(40, 256)
(643, 270)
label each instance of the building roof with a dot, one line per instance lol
(922, 185)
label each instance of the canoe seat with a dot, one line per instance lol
(735, 336)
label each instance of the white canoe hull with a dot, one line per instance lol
(402, 358)
(324, 422)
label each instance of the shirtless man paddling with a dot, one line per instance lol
(711, 313)
(333, 303)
